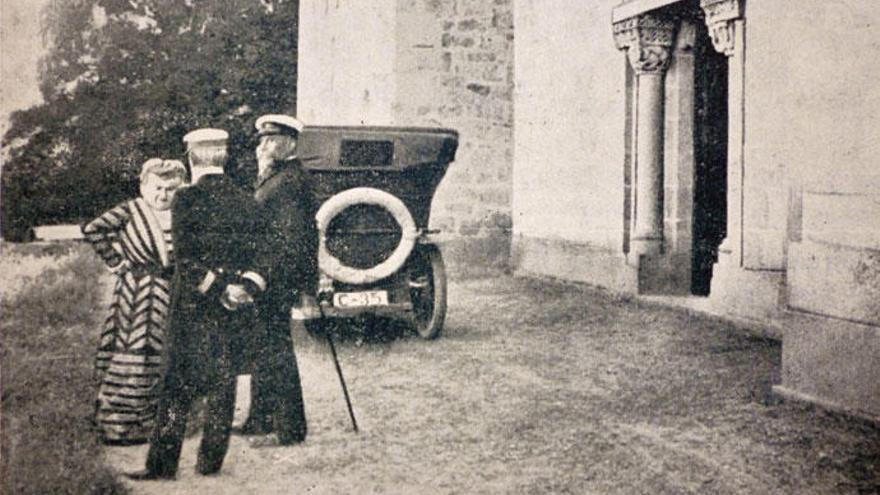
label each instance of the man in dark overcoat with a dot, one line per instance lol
(212, 227)
(289, 252)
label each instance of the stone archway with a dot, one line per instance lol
(677, 216)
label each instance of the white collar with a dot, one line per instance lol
(200, 172)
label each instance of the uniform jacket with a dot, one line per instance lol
(213, 227)
(289, 248)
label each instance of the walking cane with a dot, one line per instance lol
(354, 424)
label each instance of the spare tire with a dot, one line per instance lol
(336, 269)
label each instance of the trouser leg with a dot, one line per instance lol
(218, 424)
(262, 403)
(283, 380)
(167, 437)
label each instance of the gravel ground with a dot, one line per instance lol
(539, 387)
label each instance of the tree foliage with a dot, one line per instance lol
(124, 80)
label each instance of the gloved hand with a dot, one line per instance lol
(235, 296)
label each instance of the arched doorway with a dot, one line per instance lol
(710, 159)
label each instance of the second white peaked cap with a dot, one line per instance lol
(206, 137)
(279, 120)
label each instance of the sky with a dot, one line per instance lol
(21, 46)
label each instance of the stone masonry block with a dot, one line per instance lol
(849, 218)
(469, 25)
(758, 209)
(456, 41)
(832, 362)
(502, 20)
(764, 249)
(835, 280)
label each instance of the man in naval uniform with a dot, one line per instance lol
(289, 260)
(213, 222)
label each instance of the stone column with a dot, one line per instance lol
(647, 40)
(725, 23)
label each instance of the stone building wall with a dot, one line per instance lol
(455, 69)
(569, 144)
(812, 114)
(569, 123)
(813, 191)
(438, 63)
(801, 256)
(346, 62)
(594, 169)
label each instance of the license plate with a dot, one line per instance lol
(360, 299)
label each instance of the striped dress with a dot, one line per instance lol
(135, 242)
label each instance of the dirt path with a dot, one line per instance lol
(543, 388)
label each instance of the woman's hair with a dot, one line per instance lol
(164, 169)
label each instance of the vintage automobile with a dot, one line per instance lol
(376, 256)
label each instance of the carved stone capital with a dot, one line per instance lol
(720, 17)
(648, 41)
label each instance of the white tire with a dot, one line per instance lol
(333, 267)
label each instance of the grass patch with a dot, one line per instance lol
(48, 388)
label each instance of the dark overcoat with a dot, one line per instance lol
(213, 227)
(288, 255)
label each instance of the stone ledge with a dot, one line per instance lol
(573, 261)
(835, 281)
(667, 274)
(753, 296)
(633, 8)
(786, 393)
(832, 362)
(470, 255)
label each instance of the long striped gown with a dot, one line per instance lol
(131, 240)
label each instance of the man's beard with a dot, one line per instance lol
(264, 163)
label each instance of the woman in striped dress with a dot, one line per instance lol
(134, 240)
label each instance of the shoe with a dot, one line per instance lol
(206, 469)
(273, 441)
(264, 442)
(147, 475)
(291, 439)
(252, 427)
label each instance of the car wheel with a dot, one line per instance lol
(428, 292)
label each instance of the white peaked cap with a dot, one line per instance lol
(279, 120)
(206, 137)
